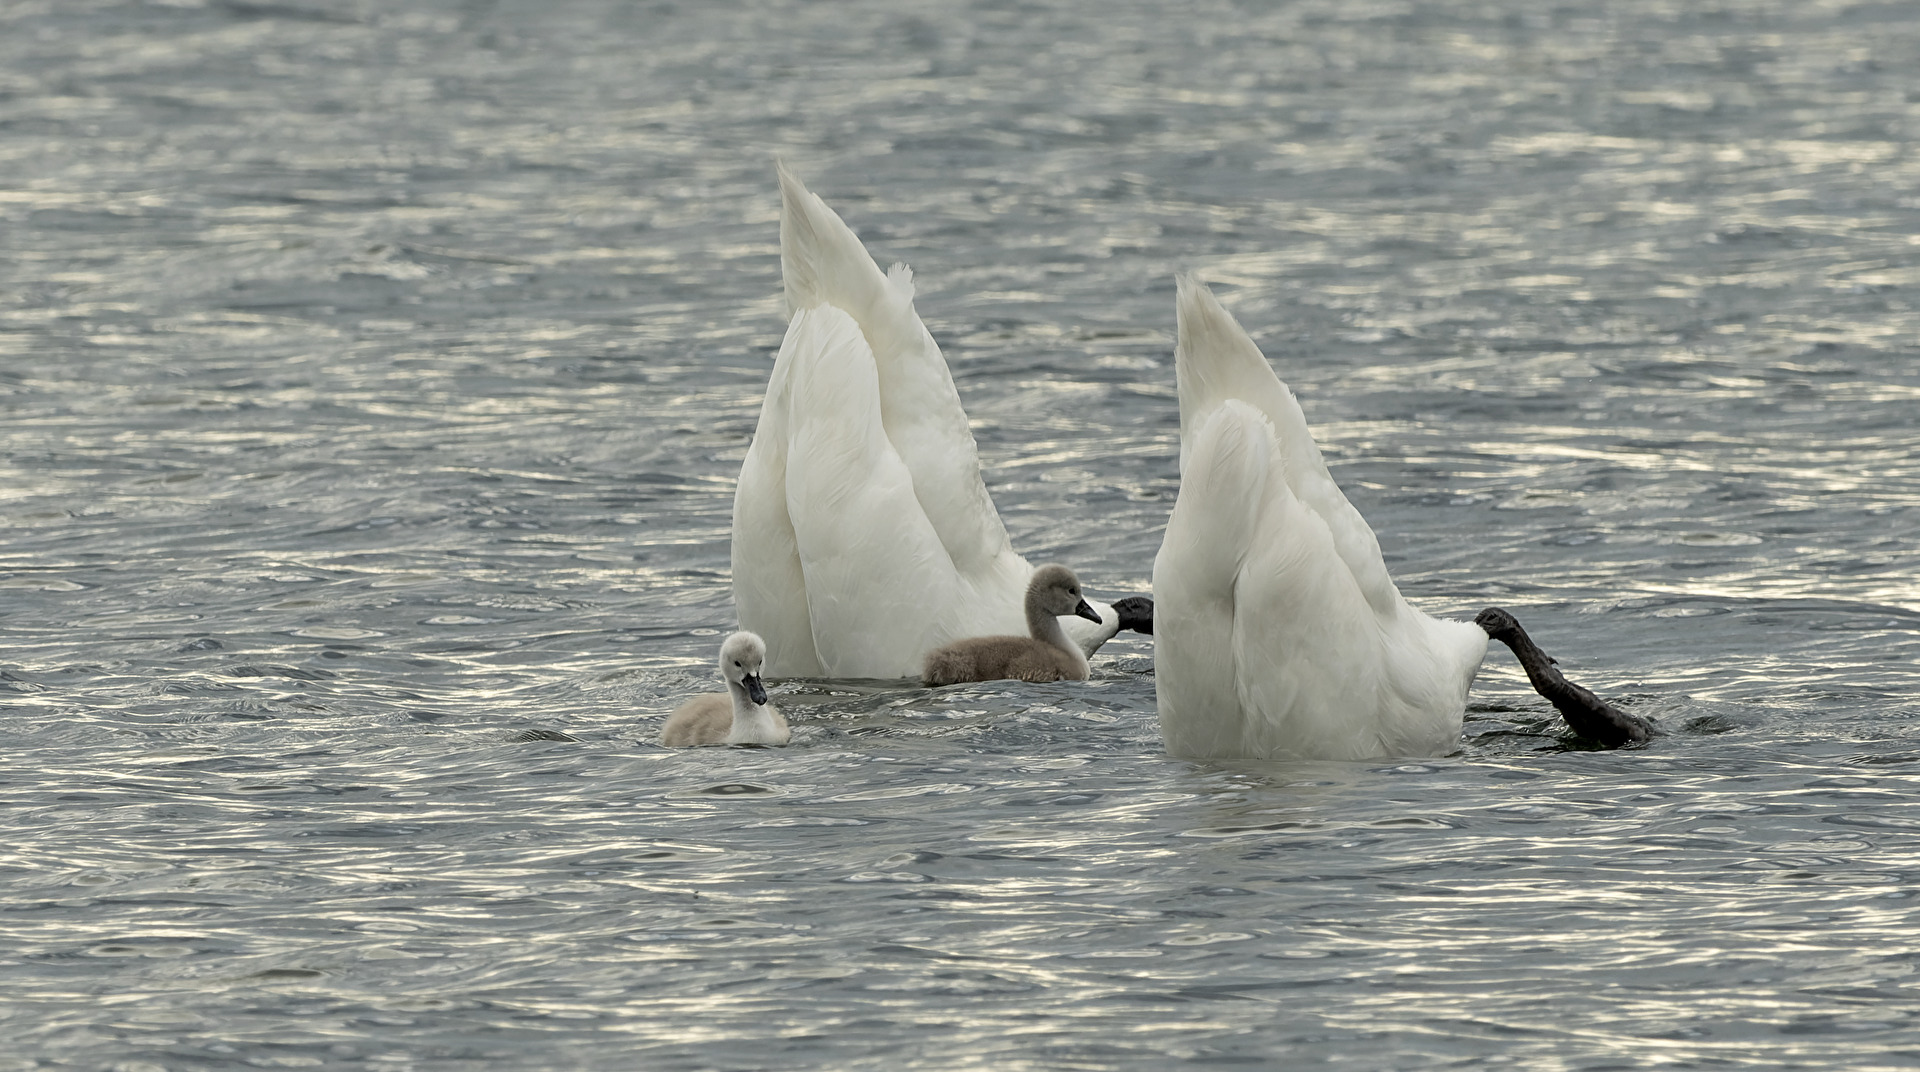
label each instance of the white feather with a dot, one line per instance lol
(1277, 630)
(863, 536)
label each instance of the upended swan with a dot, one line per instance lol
(1277, 631)
(741, 715)
(863, 536)
(1044, 654)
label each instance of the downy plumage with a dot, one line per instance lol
(741, 715)
(1044, 654)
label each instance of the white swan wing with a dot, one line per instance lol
(1196, 579)
(879, 590)
(1343, 690)
(863, 534)
(871, 563)
(1261, 637)
(769, 584)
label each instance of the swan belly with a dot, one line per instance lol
(1196, 668)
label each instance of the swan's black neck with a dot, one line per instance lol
(1586, 714)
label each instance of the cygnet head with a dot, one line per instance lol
(1058, 592)
(740, 658)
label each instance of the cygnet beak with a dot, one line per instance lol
(755, 691)
(1086, 612)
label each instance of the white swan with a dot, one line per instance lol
(863, 536)
(1277, 631)
(741, 715)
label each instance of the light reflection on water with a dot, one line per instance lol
(375, 382)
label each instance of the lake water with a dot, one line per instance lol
(374, 381)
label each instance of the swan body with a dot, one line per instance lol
(741, 715)
(1044, 654)
(863, 536)
(1277, 630)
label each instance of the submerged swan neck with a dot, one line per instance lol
(1505, 628)
(1588, 715)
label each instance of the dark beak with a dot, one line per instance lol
(755, 691)
(1086, 612)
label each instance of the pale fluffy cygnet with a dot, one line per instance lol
(741, 715)
(1045, 655)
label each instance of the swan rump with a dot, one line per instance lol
(863, 536)
(1277, 630)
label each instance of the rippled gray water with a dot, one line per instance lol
(374, 380)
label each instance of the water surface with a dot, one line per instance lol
(375, 377)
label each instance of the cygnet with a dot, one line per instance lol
(1045, 655)
(741, 715)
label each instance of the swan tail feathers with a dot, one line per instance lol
(900, 281)
(1277, 630)
(1215, 359)
(899, 407)
(822, 261)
